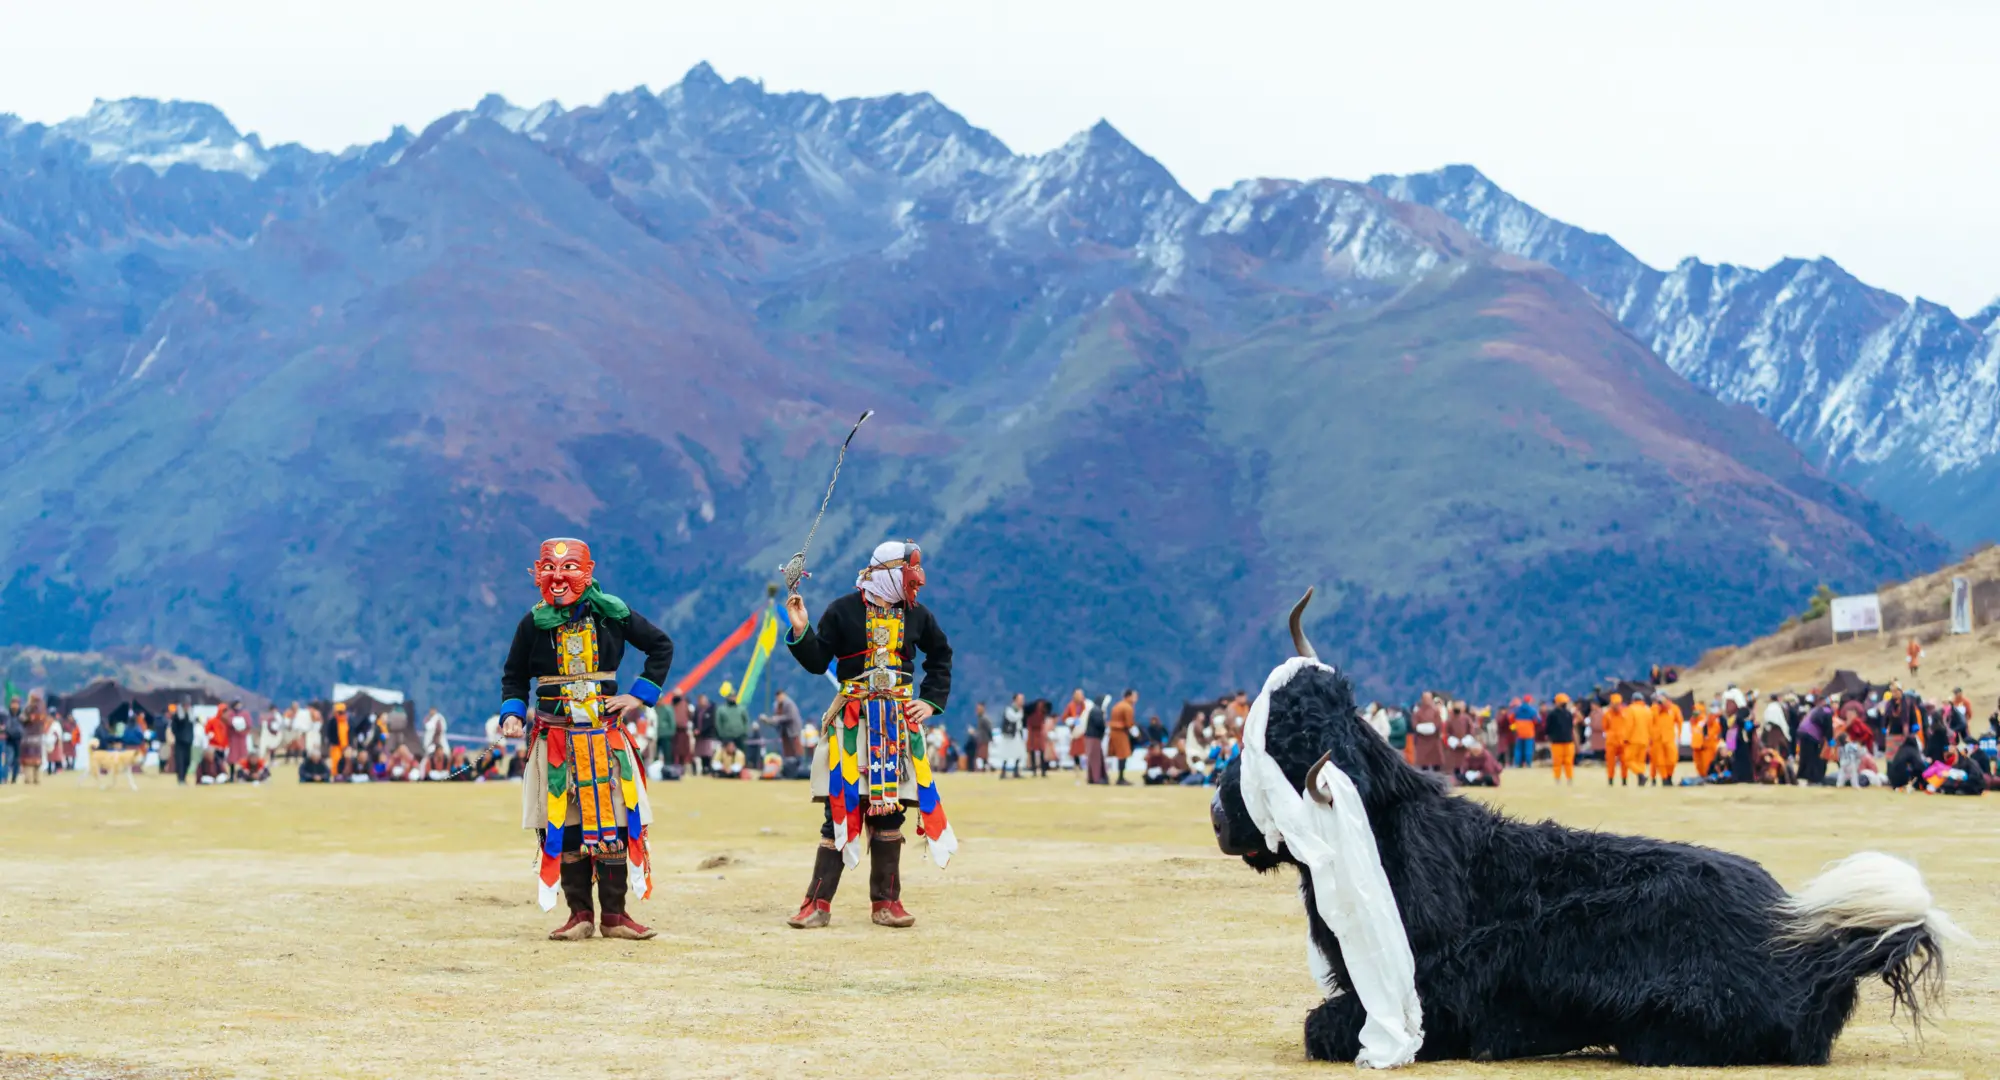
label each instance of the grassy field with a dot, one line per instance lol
(390, 931)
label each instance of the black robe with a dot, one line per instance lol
(841, 640)
(533, 656)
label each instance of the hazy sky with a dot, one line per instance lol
(1744, 131)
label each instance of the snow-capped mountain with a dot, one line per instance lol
(1901, 397)
(162, 134)
(341, 392)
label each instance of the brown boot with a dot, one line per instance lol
(611, 881)
(576, 890)
(885, 881)
(817, 910)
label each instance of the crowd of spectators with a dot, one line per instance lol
(1642, 734)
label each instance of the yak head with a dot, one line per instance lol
(1312, 718)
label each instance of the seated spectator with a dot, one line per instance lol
(254, 769)
(1772, 768)
(1956, 773)
(402, 765)
(728, 762)
(439, 765)
(774, 765)
(1479, 769)
(1908, 766)
(214, 768)
(1163, 764)
(313, 769)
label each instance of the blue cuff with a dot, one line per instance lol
(793, 637)
(646, 690)
(514, 706)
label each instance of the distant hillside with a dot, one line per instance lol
(30, 668)
(1803, 656)
(304, 416)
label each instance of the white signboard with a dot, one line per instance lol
(1961, 606)
(86, 724)
(1855, 614)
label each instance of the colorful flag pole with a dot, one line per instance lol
(767, 640)
(736, 637)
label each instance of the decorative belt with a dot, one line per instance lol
(877, 682)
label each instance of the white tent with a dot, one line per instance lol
(345, 691)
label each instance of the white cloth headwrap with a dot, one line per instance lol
(884, 585)
(1334, 843)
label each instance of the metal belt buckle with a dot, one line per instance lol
(881, 680)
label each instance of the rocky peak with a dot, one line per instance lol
(514, 118)
(161, 134)
(1097, 187)
(1983, 319)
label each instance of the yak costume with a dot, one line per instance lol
(871, 763)
(1444, 930)
(584, 791)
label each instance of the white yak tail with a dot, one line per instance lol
(1871, 914)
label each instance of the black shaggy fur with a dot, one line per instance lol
(1536, 939)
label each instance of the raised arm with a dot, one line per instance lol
(808, 646)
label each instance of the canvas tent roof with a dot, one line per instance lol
(392, 708)
(1189, 710)
(1845, 682)
(107, 694)
(348, 691)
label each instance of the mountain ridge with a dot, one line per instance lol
(1884, 392)
(316, 451)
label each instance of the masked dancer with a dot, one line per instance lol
(584, 792)
(870, 765)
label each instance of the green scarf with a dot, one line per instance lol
(606, 605)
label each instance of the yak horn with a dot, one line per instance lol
(1299, 643)
(1312, 780)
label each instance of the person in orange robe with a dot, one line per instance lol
(1614, 740)
(1706, 737)
(1666, 738)
(1638, 737)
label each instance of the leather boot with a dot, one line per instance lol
(817, 910)
(885, 881)
(611, 882)
(576, 890)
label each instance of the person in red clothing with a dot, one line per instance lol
(1479, 768)
(1426, 738)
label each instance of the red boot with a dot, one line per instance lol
(625, 927)
(885, 880)
(576, 890)
(812, 915)
(817, 909)
(611, 882)
(891, 913)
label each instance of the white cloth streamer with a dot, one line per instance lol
(1330, 837)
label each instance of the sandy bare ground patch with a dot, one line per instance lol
(390, 931)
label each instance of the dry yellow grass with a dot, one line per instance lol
(390, 931)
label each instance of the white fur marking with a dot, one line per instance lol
(1328, 833)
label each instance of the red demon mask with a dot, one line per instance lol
(913, 573)
(563, 571)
